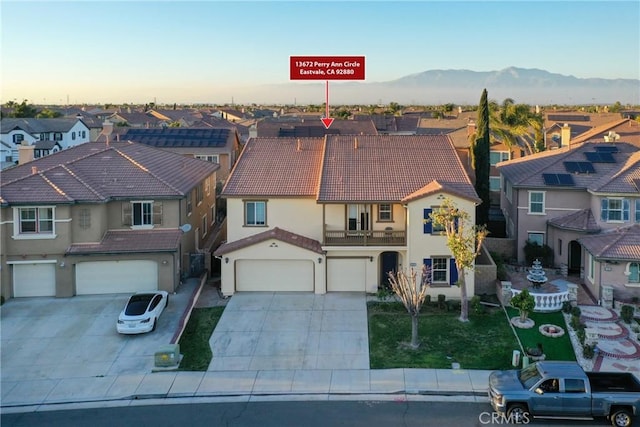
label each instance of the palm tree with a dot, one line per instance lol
(515, 124)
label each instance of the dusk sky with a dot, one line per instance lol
(205, 51)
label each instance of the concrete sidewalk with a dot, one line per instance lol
(123, 390)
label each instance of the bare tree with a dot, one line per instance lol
(464, 240)
(412, 294)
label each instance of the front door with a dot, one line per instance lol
(575, 257)
(388, 263)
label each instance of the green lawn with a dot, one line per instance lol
(485, 342)
(554, 348)
(194, 343)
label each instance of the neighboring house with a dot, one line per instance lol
(232, 114)
(64, 133)
(304, 128)
(134, 119)
(387, 124)
(184, 118)
(105, 218)
(216, 145)
(338, 213)
(576, 124)
(561, 197)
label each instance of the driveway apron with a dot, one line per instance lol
(288, 331)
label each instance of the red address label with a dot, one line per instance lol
(326, 67)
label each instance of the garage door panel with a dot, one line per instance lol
(274, 275)
(34, 280)
(346, 275)
(113, 277)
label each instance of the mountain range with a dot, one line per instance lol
(436, 87)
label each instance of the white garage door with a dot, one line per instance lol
(274, 275)
(116, 277)
(346, 275)
(34, 280)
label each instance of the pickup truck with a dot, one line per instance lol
(550, 389)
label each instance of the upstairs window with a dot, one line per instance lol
(35, 220)
(142, 213)
(536, 202)
(637, 210)
(18, 138)
(57, 136)
(213, 158)
(255, 213)
(385, 212)
(634, 272)
(496, 157)
(73, 136)
(614, 210)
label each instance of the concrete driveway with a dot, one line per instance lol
(286, 331)
(56, 338)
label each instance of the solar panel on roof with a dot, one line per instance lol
(561, 179)
(606, 149)
(579, 167)
(597, 157)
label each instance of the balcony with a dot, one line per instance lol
(365, 238)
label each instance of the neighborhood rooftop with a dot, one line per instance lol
(594, 166)
(96, 172)
(336, 168)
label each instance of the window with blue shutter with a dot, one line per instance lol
(453, 272)
(427, 262)
(604, 210)
(625, 210)
(427, 225)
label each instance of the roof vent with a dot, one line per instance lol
(298, 145)
(34, 170)
(355, 143)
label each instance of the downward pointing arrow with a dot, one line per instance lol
(326, 121)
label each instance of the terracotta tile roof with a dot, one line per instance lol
(527, 171)
(618, 244)
(96, 172)
(581, 220)
(275, 233)
(125, 241)
(437, 187)
(622, 180)
(277, 167)
(388, 168)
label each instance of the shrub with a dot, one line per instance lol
(533, 251)
(453, 305)
(567, 307)
(384, 293)
(476, 306)
(626, 312)
(575, 323)
(588, 351)
(524, 302)
(427, 300)
(441, 301)
(501, 268)
(575, 311)
(581, 334)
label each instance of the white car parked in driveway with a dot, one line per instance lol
(142, 311)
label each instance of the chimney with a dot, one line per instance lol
(355, 143)
(471, 128)
(107, 127)
(25, 153)
(565, 135)
(299, 145)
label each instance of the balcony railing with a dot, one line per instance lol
(365, 238)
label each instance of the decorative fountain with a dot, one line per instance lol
(536, 275)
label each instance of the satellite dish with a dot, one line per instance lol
(185, 228)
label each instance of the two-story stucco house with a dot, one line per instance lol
(216, 145)
(339, 212)
(581, 201)
(104, 218)
(46, 135)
